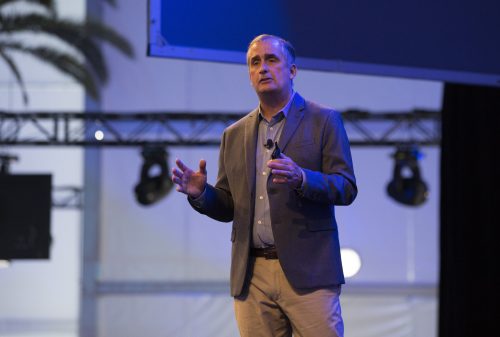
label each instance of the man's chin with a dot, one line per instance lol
(267, 89)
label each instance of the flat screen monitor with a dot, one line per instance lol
(453, 41)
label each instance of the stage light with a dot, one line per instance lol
(99, 135)
(151, 188)
(407, 186)
(351, 262)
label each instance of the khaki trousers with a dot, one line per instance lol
(270, 307)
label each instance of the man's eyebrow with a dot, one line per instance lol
(267, 56)
(255, 57)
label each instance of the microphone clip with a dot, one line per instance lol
(276, 152)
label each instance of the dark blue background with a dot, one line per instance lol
(459, 35)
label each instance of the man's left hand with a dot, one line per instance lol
(286, 171)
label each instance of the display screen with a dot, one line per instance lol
(455, 41)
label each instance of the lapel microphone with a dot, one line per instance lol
(269, 144)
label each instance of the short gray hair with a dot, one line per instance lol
(287, 47)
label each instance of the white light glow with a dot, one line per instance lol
(4, 264)
(99, 135)
(351, 262)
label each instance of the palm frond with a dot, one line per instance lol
(49, 5)
(65, 62)
(13, 67)
(70, 32)
(82, 37)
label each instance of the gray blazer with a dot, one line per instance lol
(303, 223)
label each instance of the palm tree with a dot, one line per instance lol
(84, 60)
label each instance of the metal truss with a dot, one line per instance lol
(418, 127)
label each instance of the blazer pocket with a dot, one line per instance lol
(316, 226)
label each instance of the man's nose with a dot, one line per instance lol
(263, 68)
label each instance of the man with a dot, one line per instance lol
(286, 270)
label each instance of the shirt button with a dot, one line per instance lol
(264, 173)
(271, 128)
(259, 222)
(261, 197)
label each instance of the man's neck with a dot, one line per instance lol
(271, 104)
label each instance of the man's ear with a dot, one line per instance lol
(293, 71)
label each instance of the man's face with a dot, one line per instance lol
(269, 68)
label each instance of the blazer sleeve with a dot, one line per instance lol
(217, 201)
(335, 183)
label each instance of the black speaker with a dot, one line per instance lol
(25, 206)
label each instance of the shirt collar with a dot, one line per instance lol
(283, 110)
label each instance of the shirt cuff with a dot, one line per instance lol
(200, 200)
(302, 187)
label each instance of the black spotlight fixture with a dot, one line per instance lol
(153, 186)
(407, 186)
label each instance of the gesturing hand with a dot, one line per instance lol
(286, 171)
(190, 182)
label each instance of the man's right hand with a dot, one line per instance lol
(190, 182)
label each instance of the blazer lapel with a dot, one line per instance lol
(295, 115)
(250, 140)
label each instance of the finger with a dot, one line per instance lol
(285, 159)
(282, 173)
(177, 173)
(277, 164)
(280, 180)
(203, 166)
(181, 165)
(176, 180)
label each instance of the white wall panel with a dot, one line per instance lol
(389, 316)
(167, 316)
